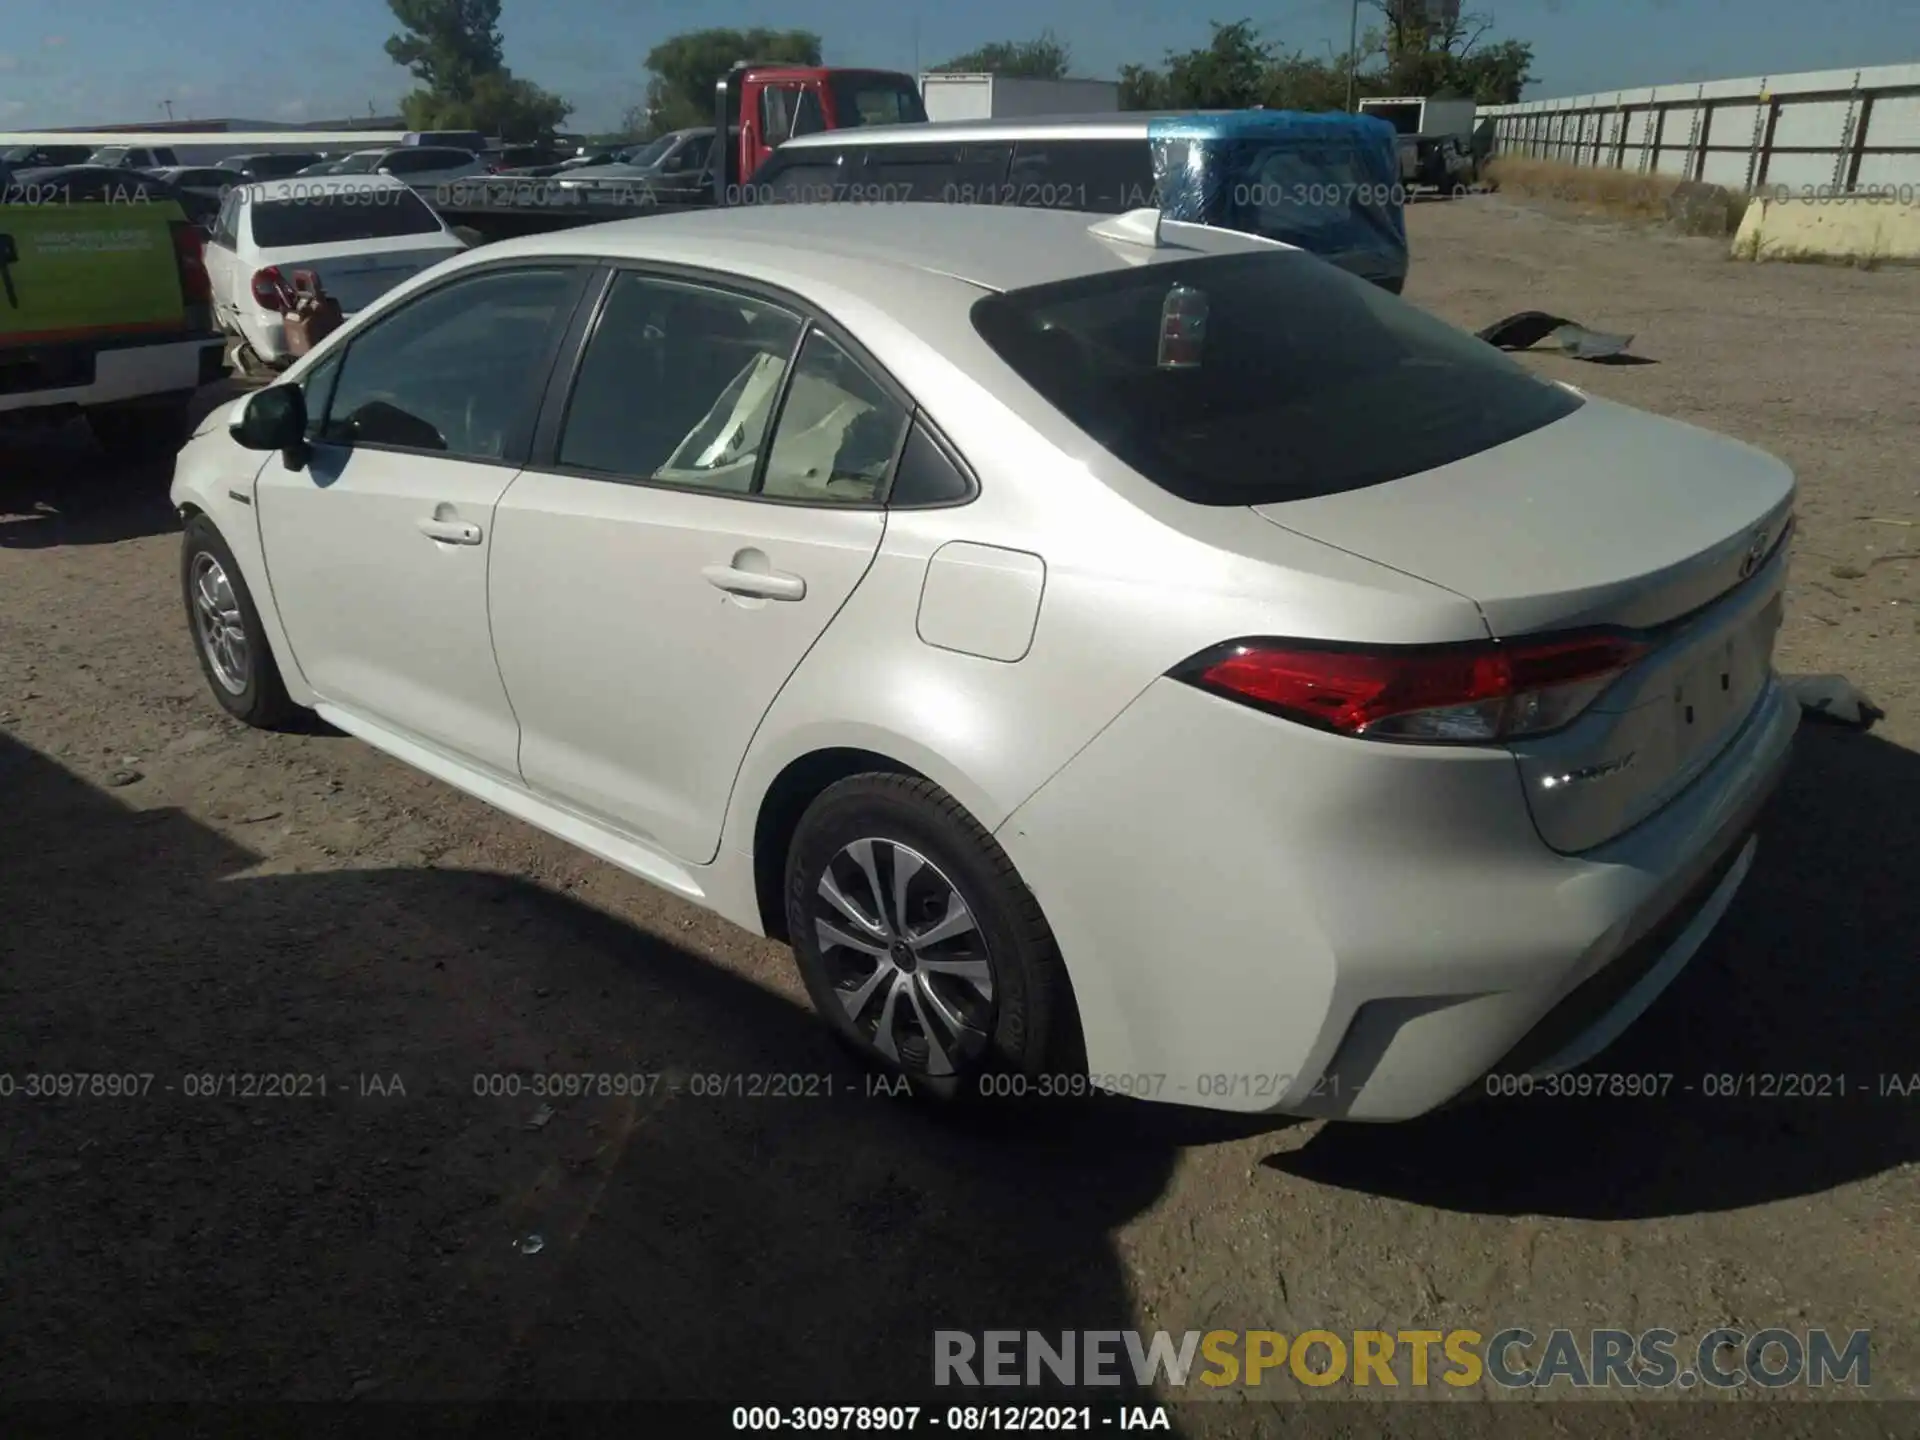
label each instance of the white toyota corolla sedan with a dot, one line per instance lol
(1101, 649)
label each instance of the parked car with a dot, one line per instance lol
(1026, 616)
(106, 312)
(471, 141)
(417, 165)
(360, 235)
(133, 157)
(209, 182)
(29, 157)
(673, 167)
(273, 165)
(1323, 182)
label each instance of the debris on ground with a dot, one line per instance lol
(1697, 208)
(1833, 698)
(538, 1120)
(1528, 328)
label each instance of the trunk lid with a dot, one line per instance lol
(359, 272)
(1609, 517)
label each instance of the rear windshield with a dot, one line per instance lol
(1261, 378)
(333, 216)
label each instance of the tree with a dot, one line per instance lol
(686, 68)
(1422, 54)
(1229, 74)
(1143, 88)
(453, 48)
(1044, 58)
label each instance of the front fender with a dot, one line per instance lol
(216, 478)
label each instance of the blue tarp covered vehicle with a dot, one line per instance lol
(1327, 183)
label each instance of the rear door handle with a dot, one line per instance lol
(452, 532)
(764, 585)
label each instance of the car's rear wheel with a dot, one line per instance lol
(227, 635)
(920, 944)
(143, 429)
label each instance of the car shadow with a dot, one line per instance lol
(57, 488)
(1810, 974)
(718, 1203)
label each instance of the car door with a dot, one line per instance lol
(377, 548)
(698, 507)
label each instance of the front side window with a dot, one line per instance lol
(453, 373)
(678, 385)
(1259, 378)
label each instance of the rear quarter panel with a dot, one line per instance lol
(1135, 582)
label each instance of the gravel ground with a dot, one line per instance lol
(185, 897)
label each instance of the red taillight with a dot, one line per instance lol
(189, 254)
(270, 289)
(1458, 694)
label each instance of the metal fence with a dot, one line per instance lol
(1819, 133)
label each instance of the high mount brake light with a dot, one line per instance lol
(1451, 694)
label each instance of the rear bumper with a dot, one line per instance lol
(107, 371)
(1299, 923)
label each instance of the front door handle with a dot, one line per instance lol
(452, 532)
(764, 585)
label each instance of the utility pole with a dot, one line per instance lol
(168, 105)
(1353, 50)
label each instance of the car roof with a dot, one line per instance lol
(987, 247)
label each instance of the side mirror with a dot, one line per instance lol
(274, 419)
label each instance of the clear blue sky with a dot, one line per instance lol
(71, 62)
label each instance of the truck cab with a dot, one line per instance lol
(759, 106)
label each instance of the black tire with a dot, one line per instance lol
(260, 700)
(141, 430)
(1024, 1030)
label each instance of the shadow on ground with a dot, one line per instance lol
(1812, 973)
(57, 488)
(270, 1240)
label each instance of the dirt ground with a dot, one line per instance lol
(182, 897)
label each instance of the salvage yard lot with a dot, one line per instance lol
(183, 897)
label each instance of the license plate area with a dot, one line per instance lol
(1719, 681)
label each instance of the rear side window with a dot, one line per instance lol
(1261, 378)
(934, 174)
(333, 216)
(825, 175)
(1107, 177)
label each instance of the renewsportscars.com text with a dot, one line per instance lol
(1513, 1358)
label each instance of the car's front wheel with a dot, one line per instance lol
(920, 944)
(227, 634)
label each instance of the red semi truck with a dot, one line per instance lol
(757, 106)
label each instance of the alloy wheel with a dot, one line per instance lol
(907, 960)
(223, 635)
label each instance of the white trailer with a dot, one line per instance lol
(950, 96)
(1422, 115)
